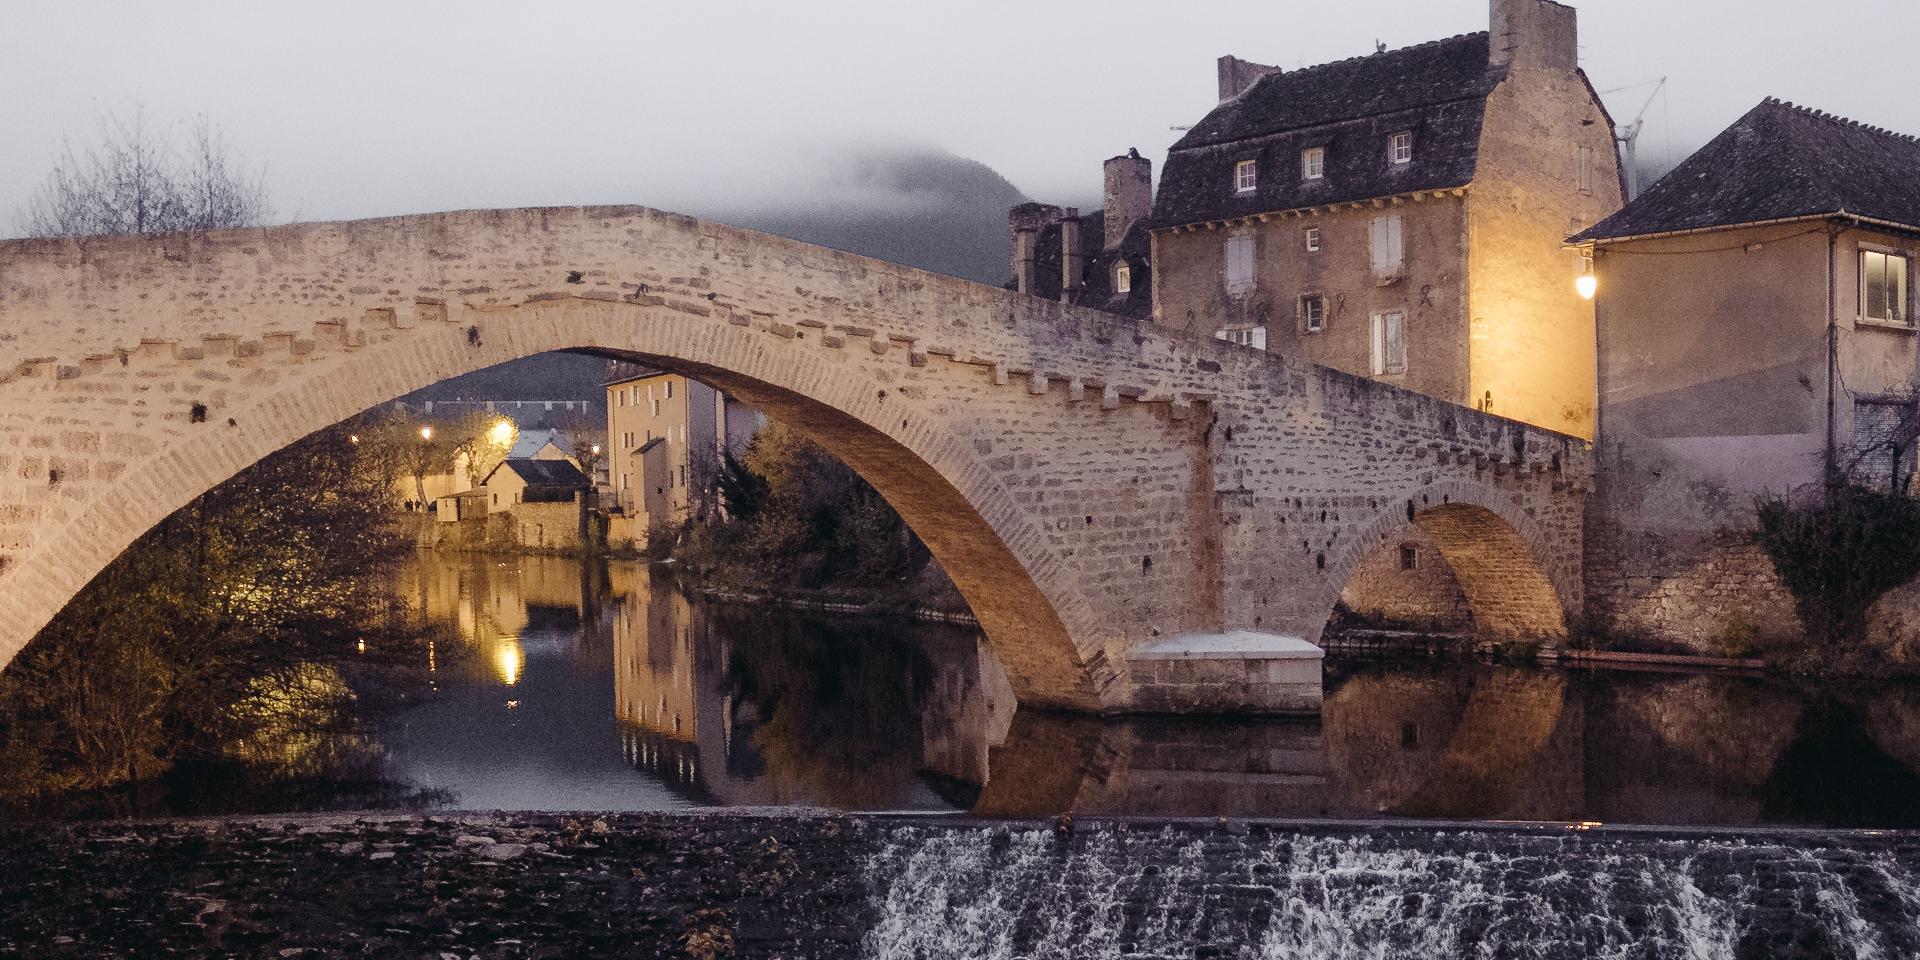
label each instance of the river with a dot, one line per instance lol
(561, 686)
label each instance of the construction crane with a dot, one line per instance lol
(1629, 135)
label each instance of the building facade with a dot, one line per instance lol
(1401, 216)
(665, 433)
(1756, 337)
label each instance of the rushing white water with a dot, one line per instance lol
(1134, 894)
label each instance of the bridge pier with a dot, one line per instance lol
(1236, 671)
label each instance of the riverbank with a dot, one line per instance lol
(713, 886)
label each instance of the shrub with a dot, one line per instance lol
(1839, 556)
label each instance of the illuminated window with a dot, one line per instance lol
(1122, 278)
(1883, 286)
(1313, 313)
(1389, 246)
(1313, 163)
(1246, 176)
(1389, 343)
(1255, 337)
(1312, 238)
(1400, 147)
(1240, 263)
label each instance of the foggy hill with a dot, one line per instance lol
(924, 208)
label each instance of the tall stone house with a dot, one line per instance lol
(1756, 331)
(664, 434)
(1402, 216)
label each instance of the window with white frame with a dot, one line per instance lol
(1313, 163)
(1883, 286)
(1400, 147)
(1389, 343)
(1122, 278)
(669, 389)
(1389, 246)
(1313, 313)
(1246, 176)
(1255, 337)
(1311, 236)
(656, 406)
(1240, 263)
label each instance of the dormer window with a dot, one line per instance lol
(1246, 176)
(1122, 278)
(1400, 147)
(1313, 163)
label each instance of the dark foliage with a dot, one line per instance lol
(1840, 555)
(234, 628)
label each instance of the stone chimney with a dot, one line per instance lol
(1533, 35)
(1026, 221)
(1129, 196)
(1073, 256)
(1237, 75)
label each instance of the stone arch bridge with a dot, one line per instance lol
(1101, 491)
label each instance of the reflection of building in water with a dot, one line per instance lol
(680, 723)
(491, 602)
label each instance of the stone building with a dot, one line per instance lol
(1100, 260)
(1756, 330)
(1402, 215)
(541, 504)
(664, 433)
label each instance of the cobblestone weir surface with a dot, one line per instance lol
(837, 887)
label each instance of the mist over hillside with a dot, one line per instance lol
(921, 207)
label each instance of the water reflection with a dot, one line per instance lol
(718, 704)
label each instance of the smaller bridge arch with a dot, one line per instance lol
(1496, 552)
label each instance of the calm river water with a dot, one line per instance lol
(565, 686)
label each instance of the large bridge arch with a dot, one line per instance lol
(956, 504)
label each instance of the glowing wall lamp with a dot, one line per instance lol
(1586, 283)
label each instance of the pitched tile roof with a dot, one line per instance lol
(545, 473)
(1778, 162)
(1437, 90)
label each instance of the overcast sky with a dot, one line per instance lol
(369, 107)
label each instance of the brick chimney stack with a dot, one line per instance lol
(1026, 221)
(1237, 75)
(1073, 256)
(1129, 196)
(1533, 34)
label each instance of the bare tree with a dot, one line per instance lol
(139, 179)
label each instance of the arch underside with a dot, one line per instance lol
(1497, 571)
(906, 451)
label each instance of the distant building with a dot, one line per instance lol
(1100, 260)
(515, 482)
(542, 445)
(664, 435)
(1756, 331)
(541, 504)
(1401, 216)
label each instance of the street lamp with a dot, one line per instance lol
(426, 433)
(502, 432)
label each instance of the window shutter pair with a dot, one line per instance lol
(1239, 263)
(1389, 247)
